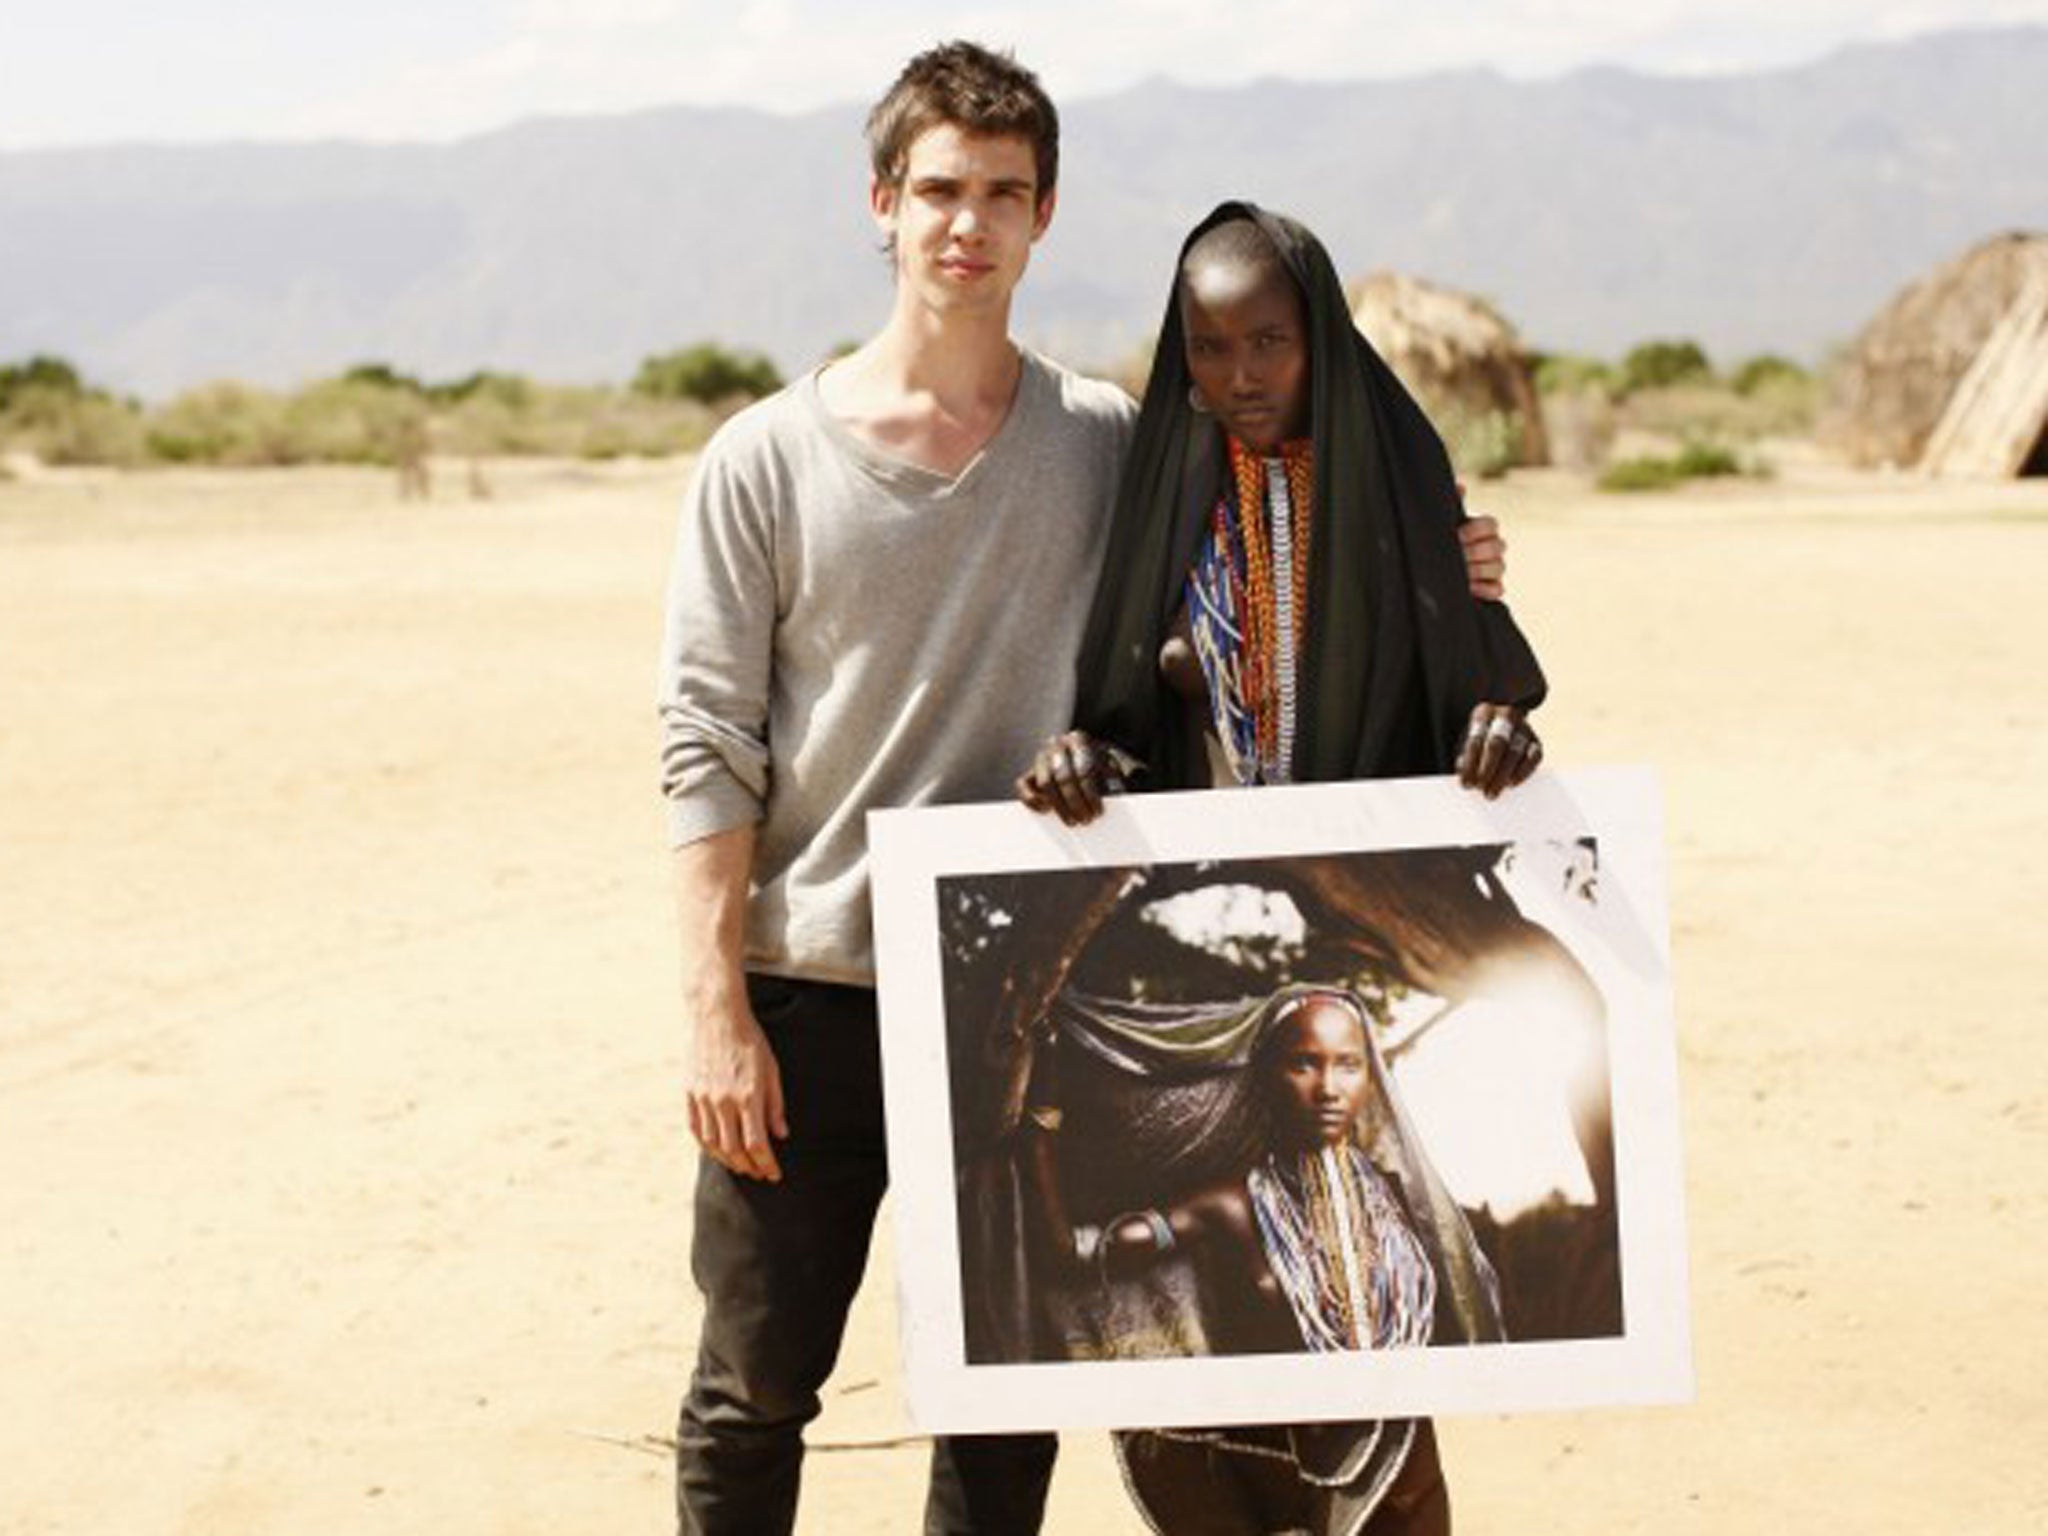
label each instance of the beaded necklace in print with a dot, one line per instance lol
(1248, 606)
(1351, 1268)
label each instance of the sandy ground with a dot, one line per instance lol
(346, 1179)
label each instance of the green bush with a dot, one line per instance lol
(383, 375)
(1696, 460)
(1702, 461)
(1659, 364)
(1716, 413)
(487, 422)
(368, 415)
(1642, 474)
(1570, 373)
(224, 423)
(1767, 369)
(42, 373)
(355, 419)
(48, 409)
(35, 408)
(96, 430)
(61, 425)
(510, 389)
(572, 421)
(618, 425)
(708, 374)
(1485, 444)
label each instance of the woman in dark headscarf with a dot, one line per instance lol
(1326, 633)
(1284, 600)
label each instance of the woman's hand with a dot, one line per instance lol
(1499, 751)
(1486, 556)
(1070, 775)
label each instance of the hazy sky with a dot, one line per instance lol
(91, 71)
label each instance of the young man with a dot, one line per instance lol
(864, 561)
(880, 582)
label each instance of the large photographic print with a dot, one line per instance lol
(1356, 1099)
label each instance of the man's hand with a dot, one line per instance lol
(735, 1091)
(1486, 557)
(1069, 777)
(1499, 750)
(732, 1083)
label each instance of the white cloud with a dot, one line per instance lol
(598, 15)
(531, 56)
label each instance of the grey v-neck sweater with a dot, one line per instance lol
(848, 631)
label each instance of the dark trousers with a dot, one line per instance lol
(779, 1264)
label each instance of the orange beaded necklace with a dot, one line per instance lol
(1263, 517)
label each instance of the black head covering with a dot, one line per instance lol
(1397, 650)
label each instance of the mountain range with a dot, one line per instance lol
(1772, 211)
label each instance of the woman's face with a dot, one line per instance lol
(1247, 351)
(1319, 1074)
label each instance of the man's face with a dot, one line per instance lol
(964, 217)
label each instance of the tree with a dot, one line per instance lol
(1570, 373)
(1766, 368)
(43, 372)
(384, 376)
(707, 373)
(512, 390)
(1656, 364)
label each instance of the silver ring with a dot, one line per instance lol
(1502, 728)
(1084, 761)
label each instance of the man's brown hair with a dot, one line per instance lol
(977, 91)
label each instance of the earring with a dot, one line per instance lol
(1195, 402)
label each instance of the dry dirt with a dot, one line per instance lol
(347, 1182)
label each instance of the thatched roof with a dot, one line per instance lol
(1903, 372)
(1455, 353)
(1996, 424)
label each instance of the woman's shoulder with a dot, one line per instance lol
(1220, 1208)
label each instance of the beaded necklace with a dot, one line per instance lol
(1248, 606)
(1350, 1266)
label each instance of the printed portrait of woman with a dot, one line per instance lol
(1182, 1117)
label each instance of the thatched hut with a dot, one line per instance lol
(1952, 375)
(1459, 358)
(1996, 424)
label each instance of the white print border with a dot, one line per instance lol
(1629, 959)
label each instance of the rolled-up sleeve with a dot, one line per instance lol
(717, 645)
